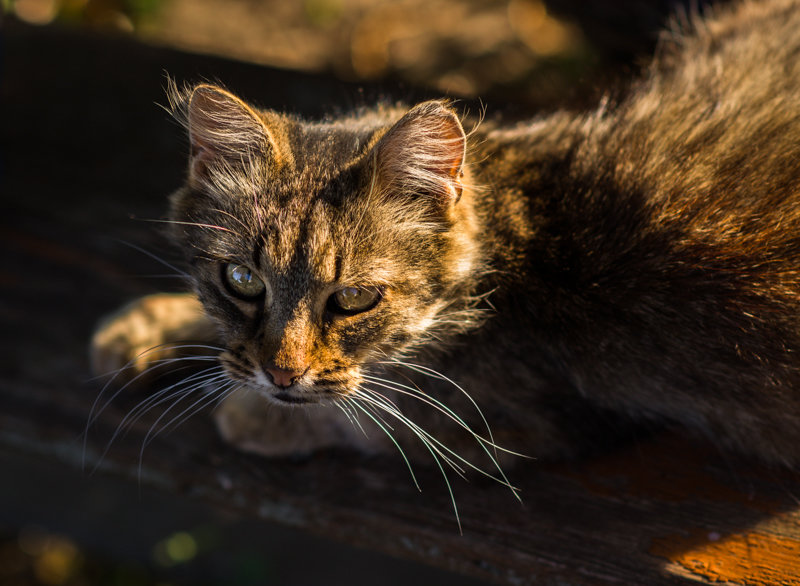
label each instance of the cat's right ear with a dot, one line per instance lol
(224, 131)
(422, 155)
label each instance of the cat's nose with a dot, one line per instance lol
(281, 377)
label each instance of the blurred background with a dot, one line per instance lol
(527, 53)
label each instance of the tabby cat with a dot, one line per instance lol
(387, 279)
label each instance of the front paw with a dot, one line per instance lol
(146, 332)
(249, 422)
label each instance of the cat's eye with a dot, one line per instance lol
(241, 282)
(352, 300)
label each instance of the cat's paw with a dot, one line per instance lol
(145, 332)
(252, 424)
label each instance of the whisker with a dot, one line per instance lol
(356, 402)
(344, 407)
(196, 381)
(433, 451)
(435, 374)
(97, 410)
(234, 218)
(197, 385)
(217, 395)
(94, 416)
(147, 372)
(376, 399)
(195, 224)
(155, 257)
(168, 346)
(163, 395)
(237, 387)
(438, 405)
(204, 400)
(422, 396)
(435, 444)
(151, 365)
(377, 413)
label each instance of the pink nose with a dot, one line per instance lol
(281, 377)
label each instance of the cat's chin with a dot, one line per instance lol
(251, 423)
(289, 398)
(286, 397)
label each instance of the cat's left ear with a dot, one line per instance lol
(224, 130)
(422, 155)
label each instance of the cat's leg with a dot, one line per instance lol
(149, 331)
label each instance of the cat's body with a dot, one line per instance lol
(636, 263)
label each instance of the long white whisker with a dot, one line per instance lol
(377, 413)
(155, 257)
(163, 395)
(234, 218)
(152, 364)
(352, 417)
(196, 224)
(424, 397)
(197, 385)
(435, 453)
(448, 412)
(147, 372)
(209, 397)
(195, 382)
(371, 397)
(204, 401)
(357, 403)
(437, 445)
(435, 374)
(95, 416)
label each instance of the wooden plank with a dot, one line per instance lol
(87, 156)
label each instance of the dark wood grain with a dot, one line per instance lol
(87, 156)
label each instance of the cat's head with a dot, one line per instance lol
(322, 248)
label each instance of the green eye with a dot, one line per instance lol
(352, 300)
(241, 281)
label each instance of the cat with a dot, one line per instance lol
(470, 290)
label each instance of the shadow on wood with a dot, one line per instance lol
(87, 156)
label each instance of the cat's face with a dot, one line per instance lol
(321, 249)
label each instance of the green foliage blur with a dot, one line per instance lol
(123, 14)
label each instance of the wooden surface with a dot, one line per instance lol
(86, 155)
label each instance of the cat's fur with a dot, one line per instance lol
(640, 262)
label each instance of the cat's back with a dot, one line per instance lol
(700, 161)
(716, 122)
(663, 267)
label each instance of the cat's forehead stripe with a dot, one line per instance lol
(284, 243)
(321, 246)
(292, 244)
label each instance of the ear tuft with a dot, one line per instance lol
(423, 154)
(223, 130)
